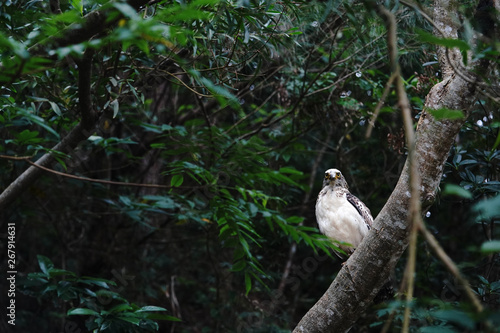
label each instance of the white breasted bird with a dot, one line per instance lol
(341, 216)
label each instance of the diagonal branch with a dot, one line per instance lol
(84, 179)
(77, 134)
(414, 214)
(368, 268)
(31, 174)
(93, 23)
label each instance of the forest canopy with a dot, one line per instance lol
(160, 162)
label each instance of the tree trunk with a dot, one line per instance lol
(369, 267)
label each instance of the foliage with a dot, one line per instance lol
(230, 106)
(106, 309)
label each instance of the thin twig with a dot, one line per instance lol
(415, 217)
(381, 102)
(92, 180)
(415, 206)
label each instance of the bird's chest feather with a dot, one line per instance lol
(337, 217)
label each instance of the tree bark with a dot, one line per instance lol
(93, 23)
(367, 270)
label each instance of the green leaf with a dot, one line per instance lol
(134, 320)
(82, 312)
(116, 107)
(452, 189)
(248, 283)
(457, 317)
(120, 308)
(39, 121)
(59, 272)
(222, 95)
(177, 180)
(149, 308)
(445, 113)
(127, 10)
(488, 209)
(447, 42)
(492, 246)
(55, 108)
(109, 295)
(27, 137)
(18, 48)
(497, 142)
(45, 264)
(291, 171)
(103, 283)
(239, 265)
(157, 145)
(295, 219)
(78, 5)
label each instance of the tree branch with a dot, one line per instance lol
(368, 268)
(94, 23)
(414, 214)
(84, 179)
(31, 174)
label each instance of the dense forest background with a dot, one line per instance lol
(183, 146)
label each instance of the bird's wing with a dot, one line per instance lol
(361, 208)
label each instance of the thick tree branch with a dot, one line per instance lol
(94, 23)
(77, 134)
(83, 179)
(368, 268)
(31, 174)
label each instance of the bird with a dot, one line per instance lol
(341, 216)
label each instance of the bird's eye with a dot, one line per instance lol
(327, 176)
(337, 175)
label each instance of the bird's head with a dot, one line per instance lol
(333, 177)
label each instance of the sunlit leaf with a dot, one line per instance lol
(248, 283)
(488, 209)
(177, 180)
(55, 108)
(492, 246)
(445, 113)
(82, 312)
(116, 107)
(151, 308)
(447, 42)
(78, 5)
(459, 191)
